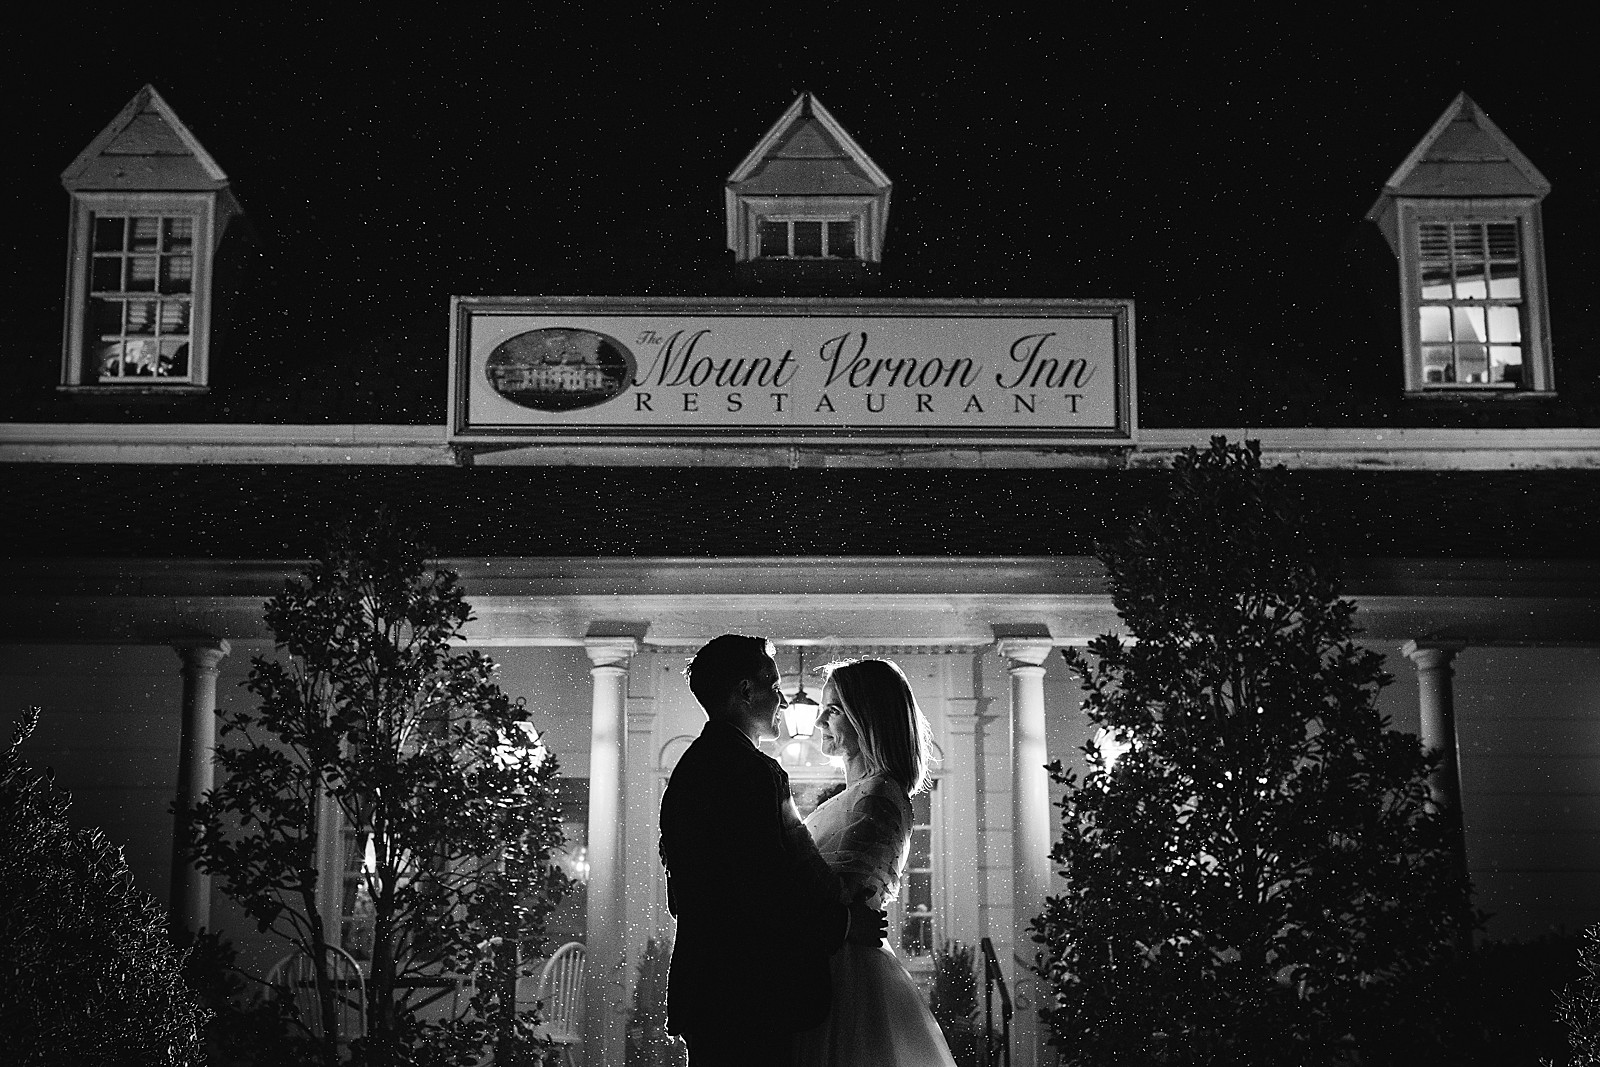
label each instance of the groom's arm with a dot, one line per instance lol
(816, 888)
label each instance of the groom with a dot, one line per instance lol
(757, 906)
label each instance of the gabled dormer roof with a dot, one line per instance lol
(146, 148)
(1464, 155)
(806, 162)
(807, 153)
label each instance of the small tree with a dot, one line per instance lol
(91, 976)
(1258, 878)
(413, 747)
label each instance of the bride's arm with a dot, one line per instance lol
(870, 853)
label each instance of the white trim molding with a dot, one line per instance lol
(1308, 448)
(180, 443)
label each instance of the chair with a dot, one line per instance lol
(296, 974)
(560, 987)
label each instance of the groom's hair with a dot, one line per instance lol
(719, 667)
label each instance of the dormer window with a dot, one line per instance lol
(807, 192)
(1462, 214)
(148, 210)
(808, 238)
(140, 308)
(1470, 284)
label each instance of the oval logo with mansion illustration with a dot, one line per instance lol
(559, 368)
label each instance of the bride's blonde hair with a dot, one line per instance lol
(875, 696)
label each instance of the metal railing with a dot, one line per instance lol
(993, 977)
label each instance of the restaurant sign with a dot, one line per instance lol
(720, 370)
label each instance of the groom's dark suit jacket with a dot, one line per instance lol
(757, 907)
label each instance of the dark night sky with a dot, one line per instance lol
(1215, 167)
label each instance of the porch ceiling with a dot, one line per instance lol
(928, 602)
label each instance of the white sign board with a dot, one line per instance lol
(716, 370)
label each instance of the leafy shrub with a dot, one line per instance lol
(90, 974)
(249, 1024)
(1578, 1005)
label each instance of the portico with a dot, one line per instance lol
(976, 635)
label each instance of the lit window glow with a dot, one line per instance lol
(1470, 318)
(141, 281)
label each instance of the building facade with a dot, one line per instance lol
(800, 442)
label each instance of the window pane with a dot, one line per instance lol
(143, 233)
(808, 239)
(1472, 364)
(1505, 364)
(142, 274)
(177, 272)
(842, 240)
(916, 936)
(1503, 240)
(108, 357)
(141, 316)
(1434, 238)
(919, 891)
(921, 854)
(178, 235)
(774, 238)
(1470, 281)
(1505, 324)
(1505, 281)
(141, 358)
(1468, 324)
(174, 359)
(1438, 366)
(1466, 240)
(107, 275)
(174, 317)
(108, 235)
(1435, 323)
(105, 318)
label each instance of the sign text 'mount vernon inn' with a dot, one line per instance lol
(1038, 371)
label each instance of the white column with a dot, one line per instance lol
(604, 1019)
(1031, 832)
(642, 863)
(965, 861)
(1436, 700)
(1437, 727)
(189, 905)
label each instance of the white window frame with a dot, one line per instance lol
(76, 372)
(1537, 375)
(865, 211)
(789, 219)
(940, 906)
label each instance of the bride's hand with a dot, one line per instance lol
(868, 926)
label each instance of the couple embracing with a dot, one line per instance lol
(780, 958)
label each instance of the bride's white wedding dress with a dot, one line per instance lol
(878, 1017)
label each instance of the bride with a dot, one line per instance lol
(870, 718)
